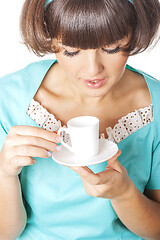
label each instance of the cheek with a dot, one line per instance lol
(123, 60)
(67, 65)
(119, 62)
(61, 59)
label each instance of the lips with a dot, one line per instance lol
(95, 83)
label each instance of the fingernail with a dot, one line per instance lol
(58, 148)
(58, 139)
(49, 154)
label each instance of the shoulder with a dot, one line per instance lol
(17, 88)
(17, 83)
(136, 90)
(152, 83)
(49, 84)
(148, 92)
(154, 89)
(39, 67)
(148, 86)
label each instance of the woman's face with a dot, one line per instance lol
(92, 72)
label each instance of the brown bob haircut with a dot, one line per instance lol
(89, 24)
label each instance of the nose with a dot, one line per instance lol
(93, 64)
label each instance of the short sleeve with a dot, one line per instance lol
(154, 180)
(3, 135)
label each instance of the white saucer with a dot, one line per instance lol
(107, 149)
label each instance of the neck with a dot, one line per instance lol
(83, 98)
(80, 96)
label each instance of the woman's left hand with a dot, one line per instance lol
(112, 183)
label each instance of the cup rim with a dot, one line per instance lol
(94, 121)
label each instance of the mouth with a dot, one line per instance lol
(95, 83)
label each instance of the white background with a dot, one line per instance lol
(14, 55)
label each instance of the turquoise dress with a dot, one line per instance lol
(58, 208)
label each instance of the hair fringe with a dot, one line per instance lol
(37, 25)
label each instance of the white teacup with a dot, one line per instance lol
(84, 135)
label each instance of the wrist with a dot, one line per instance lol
(4, 174)
(128, 192)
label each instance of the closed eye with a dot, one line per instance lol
(70, 54)
(111, 51)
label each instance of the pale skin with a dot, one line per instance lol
(61, 85)
(21, 143)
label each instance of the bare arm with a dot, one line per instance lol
(12, 212)
(140, 214)
(21, 143)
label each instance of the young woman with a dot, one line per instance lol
(41, 199)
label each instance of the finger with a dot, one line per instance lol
(87, 175)
(111, 160)
(36, 132)
(114, 163)
(100, 178)
(31, 151)
(35, 141)
(21, 161)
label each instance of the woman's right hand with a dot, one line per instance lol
(22, 144)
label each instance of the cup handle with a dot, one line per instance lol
(62, 129)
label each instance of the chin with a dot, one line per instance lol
(96, 94)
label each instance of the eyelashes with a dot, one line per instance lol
(70, 54)
(108, 51)
(112, 51)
